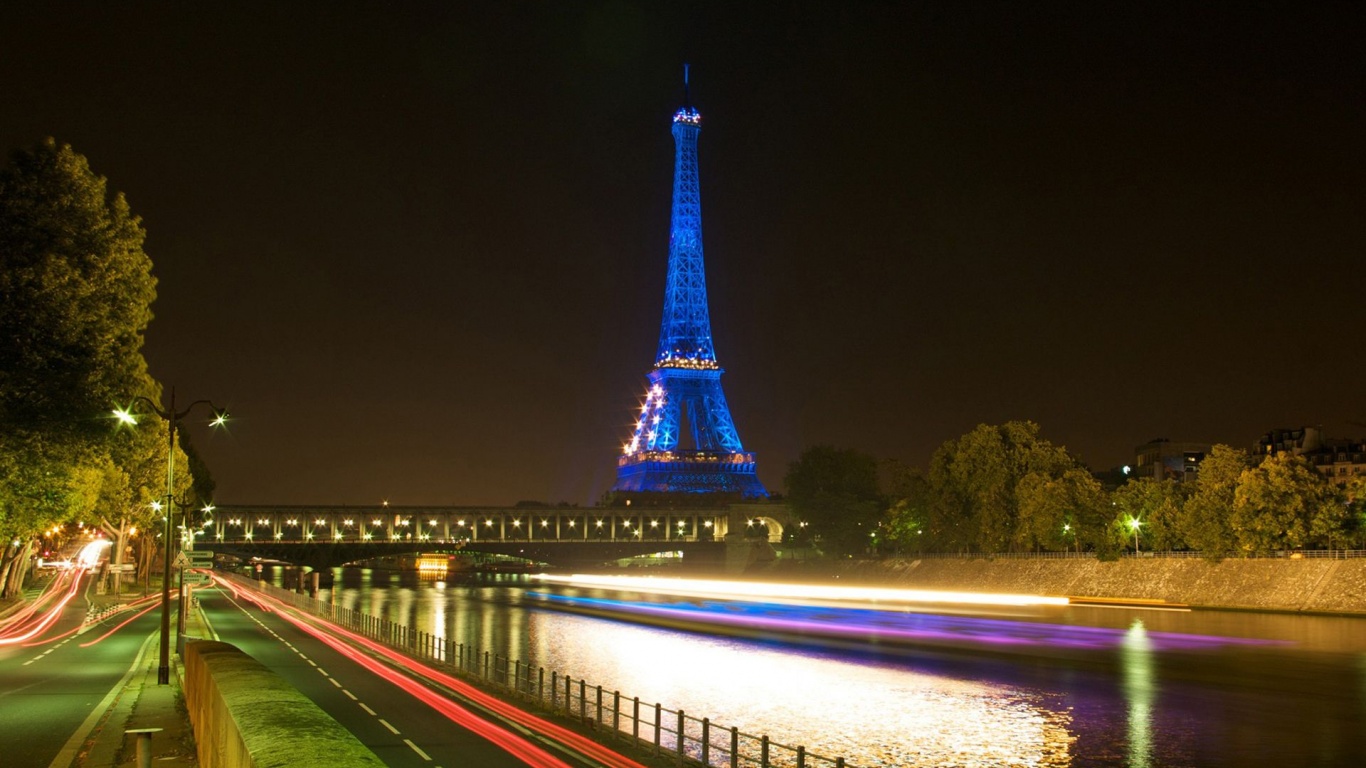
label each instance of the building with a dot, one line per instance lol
(1338, 459)
(1162, 459)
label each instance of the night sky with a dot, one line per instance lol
(419, 249)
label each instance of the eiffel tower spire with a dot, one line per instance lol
(685, 399)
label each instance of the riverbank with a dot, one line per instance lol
(1319, 586)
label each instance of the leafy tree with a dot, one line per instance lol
(975, 479)
(1204, 521)
(835, 491)
(75, 296)
(904, 524)
(1354, 497)
(76, 291)
(1061, 512)
(1284, 503)
(1156, 505)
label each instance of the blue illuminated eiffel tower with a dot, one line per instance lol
(685, 385)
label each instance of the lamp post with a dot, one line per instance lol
(172, 417)
(1135, 523)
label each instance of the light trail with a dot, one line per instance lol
(28, 631)
(83, 627)
(332, 635)
(13, 623)
(509, 742)
(121, 624)
(874, 598)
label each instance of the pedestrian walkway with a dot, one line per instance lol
(143, 704)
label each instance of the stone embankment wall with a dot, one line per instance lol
(1336, 586)
(246, 716)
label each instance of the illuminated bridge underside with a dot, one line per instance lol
(567, 537)
(580, 555)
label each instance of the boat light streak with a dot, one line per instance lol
(748, 590)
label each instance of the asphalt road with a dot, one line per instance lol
(402, 730)
(49, 690)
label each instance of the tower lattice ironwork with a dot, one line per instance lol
(685, 385)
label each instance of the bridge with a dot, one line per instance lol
(328, 536)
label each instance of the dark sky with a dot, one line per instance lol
(419, 248)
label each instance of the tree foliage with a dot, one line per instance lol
(1284, 503)
(1155, 505)
(975, 482)
(1204, 522)
(75, 299)
(835, 491)
(76, 291)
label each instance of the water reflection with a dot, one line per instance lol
(1147, 702)
(1140, 690)
(872, 713)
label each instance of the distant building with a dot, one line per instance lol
(1338, 459)
(1161, 459)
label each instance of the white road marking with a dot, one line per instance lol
(415, 748)
(334, 681)
(352, 695)
(367, 709)
(391, 728)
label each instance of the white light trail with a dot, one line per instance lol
(732, 590)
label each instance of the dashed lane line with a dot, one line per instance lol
(367, 709)
(334, 681)
(350, 694)
(417, 749)
(391, 728)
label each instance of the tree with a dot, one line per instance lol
(835, 492)
(975, 478)
(1155, 505)
(76, 291)
(904, 525)
(75, 296)
(1284, 503)
(1061, 512)
(1204, 521)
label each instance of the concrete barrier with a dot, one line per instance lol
(246, 716)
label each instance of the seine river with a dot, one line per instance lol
(1075, 687)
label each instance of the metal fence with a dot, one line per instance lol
(617, 717)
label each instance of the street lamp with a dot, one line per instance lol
(172, 417)
(1135, 523)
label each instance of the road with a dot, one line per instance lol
(53, 683)
(59, 676)
(406, 720)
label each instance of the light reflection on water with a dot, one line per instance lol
(1145, 705)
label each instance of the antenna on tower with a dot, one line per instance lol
(686, 104)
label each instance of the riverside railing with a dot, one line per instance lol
(673, 734)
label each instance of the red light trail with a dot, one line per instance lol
(338, 639)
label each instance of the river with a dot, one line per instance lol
(1076, 686)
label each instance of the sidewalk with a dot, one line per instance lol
(144, 704)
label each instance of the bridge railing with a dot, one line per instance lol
(668, 733)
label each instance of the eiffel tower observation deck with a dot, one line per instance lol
(685, 440)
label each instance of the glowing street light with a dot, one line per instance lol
(1135, 524)
(172, 418)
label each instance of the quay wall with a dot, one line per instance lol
(246, 716)
(1316, 585)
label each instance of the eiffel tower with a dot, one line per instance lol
(685, 385)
